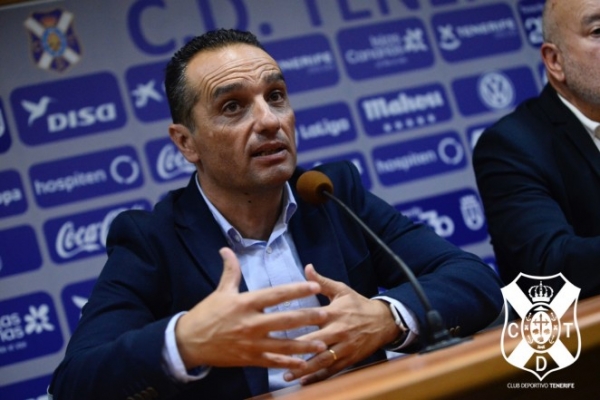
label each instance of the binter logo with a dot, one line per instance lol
(457, 216)
(68, 108)
(74, 297)
(358, 159)
(548, 331)
(31, 389)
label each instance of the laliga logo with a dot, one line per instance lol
(541, 326)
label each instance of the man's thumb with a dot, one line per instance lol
(232, 274)
(329, 287)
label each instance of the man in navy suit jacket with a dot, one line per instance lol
(538, 169)
(215, 293)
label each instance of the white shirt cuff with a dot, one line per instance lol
(172, 359)
(409, 319)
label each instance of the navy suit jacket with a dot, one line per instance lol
(538, 173)
(166, 261)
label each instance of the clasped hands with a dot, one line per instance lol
(229, 328)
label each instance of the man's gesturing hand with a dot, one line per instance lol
(355, 328)
(229, 328)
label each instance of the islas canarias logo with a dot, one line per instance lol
(547, 329)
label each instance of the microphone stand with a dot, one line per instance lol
(439, 336)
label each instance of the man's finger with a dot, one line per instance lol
(320, 366)
(289, 346)
(232, 273)
(272, 296)
(286, 320)
(329, 287)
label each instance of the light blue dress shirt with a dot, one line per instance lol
(265, 264)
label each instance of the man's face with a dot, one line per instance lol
(244, 137)
(579, 29)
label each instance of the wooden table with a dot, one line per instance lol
(474, 369)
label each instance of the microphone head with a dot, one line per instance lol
(311, 186)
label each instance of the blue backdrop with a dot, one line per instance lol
(402, 88)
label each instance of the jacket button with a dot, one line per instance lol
(150, 393)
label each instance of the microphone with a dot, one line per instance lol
(316, 188)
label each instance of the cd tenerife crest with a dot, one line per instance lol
(54, 44)
(550, 338)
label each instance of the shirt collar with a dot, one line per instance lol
(592, 127)
(234, 238)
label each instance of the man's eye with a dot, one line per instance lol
(231, 107)
(276, 96)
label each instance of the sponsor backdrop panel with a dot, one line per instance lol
(402, 88)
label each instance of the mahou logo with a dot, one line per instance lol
(549, 339)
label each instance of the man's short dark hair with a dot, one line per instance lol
(181, 97)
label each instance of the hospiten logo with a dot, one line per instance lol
(550, 338)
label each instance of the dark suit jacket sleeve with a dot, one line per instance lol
(536, 188)
(150, 275)
(166, 261)
(464, 289)
(116, 350)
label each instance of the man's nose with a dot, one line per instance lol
(266, 120)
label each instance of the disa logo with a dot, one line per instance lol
(69, 108)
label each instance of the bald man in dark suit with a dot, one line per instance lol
(538, 168)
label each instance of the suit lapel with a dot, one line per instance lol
(570, 128)
(200, 233)
(203, 238)
(311, 229)
(315, 240)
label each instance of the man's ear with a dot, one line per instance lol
(183, 139)
(553, 61)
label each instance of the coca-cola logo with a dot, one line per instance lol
(83, 235)
(171, 163)
(72, 240)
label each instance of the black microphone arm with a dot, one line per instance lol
(439, 336)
